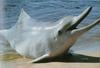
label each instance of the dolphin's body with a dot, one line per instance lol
(39, 42)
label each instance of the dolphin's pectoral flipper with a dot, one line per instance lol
(40, 58)
(84, 29)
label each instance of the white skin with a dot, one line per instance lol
(42, 42)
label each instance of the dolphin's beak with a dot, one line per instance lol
(84, 29)
(76, 20)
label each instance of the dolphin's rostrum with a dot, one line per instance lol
(39, 42)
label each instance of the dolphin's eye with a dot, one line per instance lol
(59, 32)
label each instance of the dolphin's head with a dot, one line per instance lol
(71, 23)
(67, 30)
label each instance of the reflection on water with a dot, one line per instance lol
(9, 56)
(4, 64)
(11, 60)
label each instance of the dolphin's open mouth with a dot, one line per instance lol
(79, 18)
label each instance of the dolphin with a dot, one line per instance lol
(39, 41)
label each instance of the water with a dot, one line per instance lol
(53, 10)
(1, 13)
